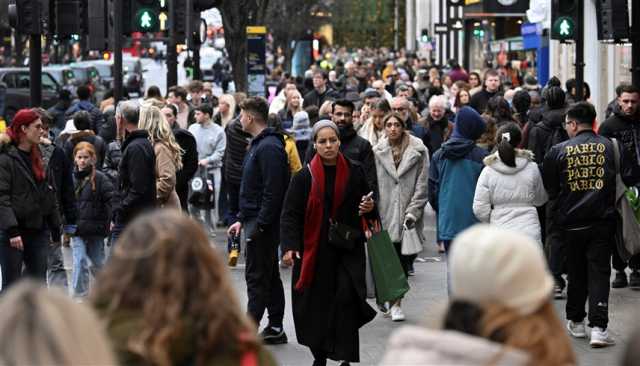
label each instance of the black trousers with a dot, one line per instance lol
(555, 247)
(264, 286)
(34, 257)
(588, 253)
(405, 260)
(620, 265)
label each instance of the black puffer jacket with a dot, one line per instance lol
(112, 161)
(625, 129)
(25, 204)
(547, 133)
(94, 206)
(580, 175)
(237, 144)
(137, 177)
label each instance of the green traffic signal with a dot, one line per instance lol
(564, 28)
(146, 20)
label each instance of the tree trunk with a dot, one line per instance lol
(235, 38)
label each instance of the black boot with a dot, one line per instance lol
(620, 281)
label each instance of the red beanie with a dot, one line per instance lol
(25, 117)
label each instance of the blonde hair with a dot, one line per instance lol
(45, 327)
(231, 101)
(152, 120)
(540, 334)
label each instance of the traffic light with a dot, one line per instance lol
(67, 18)
(145, 15)
(478, 32)
(613, 20)
(564, 19)
(424, 35)
(97, 25)
(193, 21)
(25, 16)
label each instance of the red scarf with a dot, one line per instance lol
(314, 213)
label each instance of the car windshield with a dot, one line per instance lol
(81, 75)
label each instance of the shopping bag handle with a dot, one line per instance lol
(370, 227)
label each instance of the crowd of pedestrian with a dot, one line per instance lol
(297, 179)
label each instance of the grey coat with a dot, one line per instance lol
(403, 191)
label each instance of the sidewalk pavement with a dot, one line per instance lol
(425, 303)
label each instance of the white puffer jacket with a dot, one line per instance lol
(507, 196)
(416, 346)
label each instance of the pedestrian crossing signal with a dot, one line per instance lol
(564, 28)
(146, 21)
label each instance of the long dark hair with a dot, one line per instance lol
(508, 137)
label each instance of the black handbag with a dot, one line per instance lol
(201, 192)
(343, 236)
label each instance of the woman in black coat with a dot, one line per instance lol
(27, 201)
(328, 278)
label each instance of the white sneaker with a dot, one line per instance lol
(577, 330)
(396, 313)
(600, 338)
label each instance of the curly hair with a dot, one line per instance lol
(152, 120)
(165, 268)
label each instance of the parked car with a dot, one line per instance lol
(18, 95)
(104, 68)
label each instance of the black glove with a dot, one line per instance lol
(409, 223)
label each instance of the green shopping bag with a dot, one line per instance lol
(390, 282)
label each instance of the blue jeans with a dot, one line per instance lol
(88, 255)
(116, 232)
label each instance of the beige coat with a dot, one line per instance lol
(412, 346)
(166, 195)
(403, 191)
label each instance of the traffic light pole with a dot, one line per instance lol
(197, 73)
(117, 50)
(172, 53)
(35, 69)
(580, 52)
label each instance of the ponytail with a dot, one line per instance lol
(509, 136)
(506, 151)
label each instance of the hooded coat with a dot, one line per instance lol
(508, 196)
(413, 345)
(547, 133)
(404, 188)
(453, 175)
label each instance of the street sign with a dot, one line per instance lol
(440, 28)
(256, 60)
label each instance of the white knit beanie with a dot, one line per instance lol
(489, 264)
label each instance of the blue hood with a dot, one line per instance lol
(457, 148)
(469, 124)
